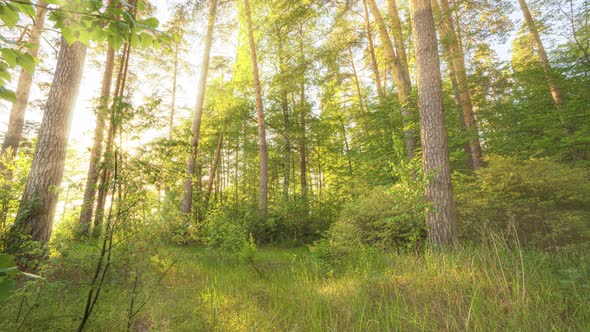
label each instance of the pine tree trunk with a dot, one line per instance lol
(371, 50)
(187, 196)
(456, 64)
(441, 218)
(37, 209)
(553, 87)
(263, 202)
(303, 128)
(17, 113)
(96, 152)
(400, 78)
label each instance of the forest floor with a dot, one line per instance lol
(300, 290)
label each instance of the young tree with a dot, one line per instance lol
(263, 200)
(441, 218)
(39, 200)
(187, 196)
(25, 79)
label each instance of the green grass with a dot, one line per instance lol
(475, 289)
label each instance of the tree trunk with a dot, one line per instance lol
(39, 200)
(400, 78)
(371, 50)
(17, 113)
(357, 84)
(213, 171)
(187, 196)
(174, 84)
(96, 153)
(302, 120)
(263, 203)
(553, 87)
(441, 218)
(456, 64)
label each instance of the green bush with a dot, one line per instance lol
(388, 219)
(227, 236)
(548, 203)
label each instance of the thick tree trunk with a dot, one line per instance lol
(263, 203)
(456, 59)
(553, 87)
(85, 220)
(39, 200)
(17, 113)
(400, 78)
(187, 196)
(441, 218)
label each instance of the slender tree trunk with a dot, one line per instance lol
(37, 209)
(456, 64)
(174, 85)
(214, 166)
(17, 113)
(302, 120)
(371, 49)
(441, 218)
(263, 203)
(187, 196)
(85, 220)
(400, 78)
(105, 172)
(286, 121)
(346, 145)
(553, 87)
(357, 84)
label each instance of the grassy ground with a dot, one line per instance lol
(473, 289)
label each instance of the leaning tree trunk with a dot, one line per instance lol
(371, 50)
(553, 87)
(23, 89)
(263, 201)
(187, 196)
(400, 76)
(39, 200)
(454, 52)
(441, 218)
(85, 220)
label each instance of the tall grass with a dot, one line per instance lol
(491, 286)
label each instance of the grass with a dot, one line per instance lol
(472, 288)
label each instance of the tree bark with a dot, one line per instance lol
(85, 220)
(213, 171)
(263, 201)
(456, 59)
(371, 50)
(553, 87)
(441, 218)
(187, 196)
(37, 209)
(400, 78)
(17, 113)
(357, 84)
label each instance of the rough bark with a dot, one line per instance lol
(553, 87)
(456, 59)
(37, 209)
(85, 220)
(263, 189)
(400, 78)
(441, 218)
(17, 113)
(187, 196)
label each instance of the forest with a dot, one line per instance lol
(295, 165)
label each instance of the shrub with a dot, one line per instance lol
(548, 203)
(227, 236)
(384, 218)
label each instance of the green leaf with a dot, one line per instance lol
(146, 40)
(26, 8)
(8, 15)
(9, 56)
(8, 95)
(27, 63)
(6, 287)
(151, 22)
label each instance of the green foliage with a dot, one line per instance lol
(547, 202)
(387, 218)
(227, 236)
